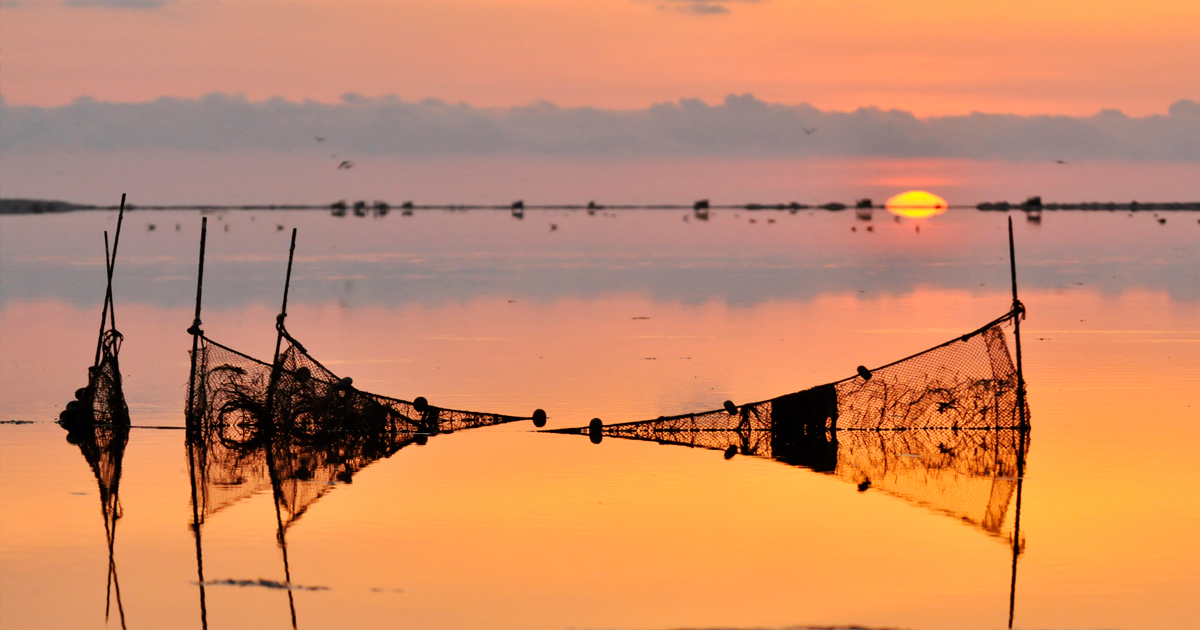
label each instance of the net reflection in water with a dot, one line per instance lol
(297, 427)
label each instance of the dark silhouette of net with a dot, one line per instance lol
(297, 427)
(103, 447)
(945, 429)
(97, 421)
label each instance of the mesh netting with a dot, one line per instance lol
(297, 428)
(97, 421)
(945, 428)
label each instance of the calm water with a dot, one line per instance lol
(622, 316)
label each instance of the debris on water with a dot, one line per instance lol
(387, 590)
(16, 422)
(283, 586)
(909, 455)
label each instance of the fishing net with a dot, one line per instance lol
(946, 428)
(295, 427)
(97, 421)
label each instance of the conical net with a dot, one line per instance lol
(946, 428)
(97, 421)
(296, 427)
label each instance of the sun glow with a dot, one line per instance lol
(916, 204)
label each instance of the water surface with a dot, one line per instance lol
(622, 316)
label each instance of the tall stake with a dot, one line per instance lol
(287, 283)
(1019, 308)
(109, 263)
(276, 484)
(279, 326)
(195, 330)
(193, 429)
(1023, 427)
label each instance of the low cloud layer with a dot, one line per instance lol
(700, 7)
(742, 126)
(116, 4)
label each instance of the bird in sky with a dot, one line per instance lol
(320, 138)
(808, 131)
(1060, 161)
(346, 164)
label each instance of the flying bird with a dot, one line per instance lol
(1060, 161)
(346, 164)
(809, 132)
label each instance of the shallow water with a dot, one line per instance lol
(622, 316)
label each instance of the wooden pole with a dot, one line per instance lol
(109, 263)
(195, 330)
(279, 326)
(1023, 426)
(193, 427)
(287, 283)
(1019, 310)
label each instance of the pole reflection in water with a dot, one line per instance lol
(292, 426)
(97, 421)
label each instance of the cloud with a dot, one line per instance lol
(116, 4)
(700, 7)
(741, 126)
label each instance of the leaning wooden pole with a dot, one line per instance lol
(276, 483)
(287, 283)
(109, 263)
(280, 327)
(194, 436)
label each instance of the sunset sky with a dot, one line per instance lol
(931, 57)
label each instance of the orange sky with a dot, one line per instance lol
(928, 56)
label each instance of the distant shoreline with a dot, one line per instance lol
(46, 206)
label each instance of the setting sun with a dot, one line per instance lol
(916, 204)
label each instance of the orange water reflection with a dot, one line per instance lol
(677, 536)
(504, 527)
